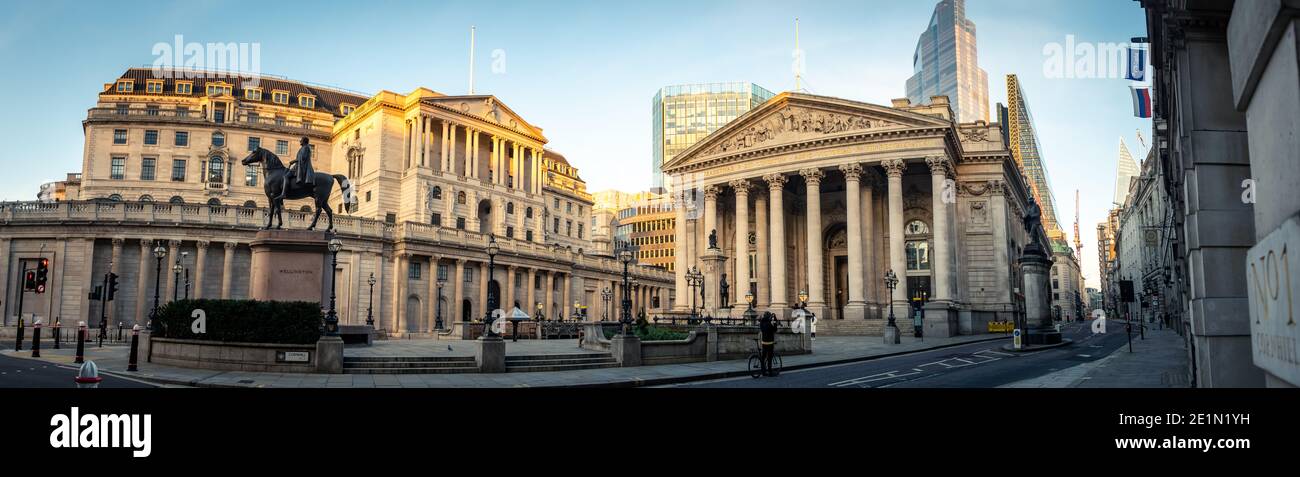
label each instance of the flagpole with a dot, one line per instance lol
(471, 59)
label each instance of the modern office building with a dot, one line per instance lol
(683, 114)
(1125, 171)
(946, 63)
(1023, 142)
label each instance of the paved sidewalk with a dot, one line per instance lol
(827, 350)
(1159, 361)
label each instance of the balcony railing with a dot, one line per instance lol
(198, 117)
(245, 218)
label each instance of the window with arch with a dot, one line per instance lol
(115, 197)
(250, 204)
(510, 207)
(214, 201)
(176, 199)
(460, 197)
(528, 212)
(355, 159)
(216, 170)
(916, 227)
(305, 209)
(437, 192)
(218, 139)
(146, 198)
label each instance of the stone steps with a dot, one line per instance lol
(851, 327)
(409, 365)
(559, 362)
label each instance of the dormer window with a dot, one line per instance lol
(307, 101)
(184, 87)
(346, 109)
(253, 94)
(219, 89)
(280, 97)
(125, 86)
(153, 87)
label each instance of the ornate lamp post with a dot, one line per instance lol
(751, 315)
(184, 255)
(695, 279)
(492, 249)
(541, 309)
(176, 269)
(625, 256)
(332, 319)
(891, 281)
(438, 323)
(803, 298)
(159, 253)
(370, 315)
(606, 295)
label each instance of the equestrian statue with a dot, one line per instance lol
(299, 181)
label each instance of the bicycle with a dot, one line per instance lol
(756, 362)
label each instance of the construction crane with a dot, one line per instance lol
(1078, 245)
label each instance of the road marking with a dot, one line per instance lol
(1084, 356)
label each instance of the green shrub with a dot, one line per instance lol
(246, 321)
(649, 333)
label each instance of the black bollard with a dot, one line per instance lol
(18, 344)
(135, 343)
(57, 334)
(81, 343)
(36, 341)
(119, 331)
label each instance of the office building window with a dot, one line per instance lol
(184, 87)
(218, 139)
(147, 168)
(125, 86)
(436, 220)
(460, 223)
(469, 275)
(151, 137)
(216, 170)
(414, 272)
(250, 176)
(281, 147)
(182, 139)
(118, 168)
(178, 170)
(254, 143)
(119, 136)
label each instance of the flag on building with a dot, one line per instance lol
(1137, 64)
(1141, 101)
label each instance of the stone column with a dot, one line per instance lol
(482, 291)
(227, 264)
(531, 306)
(458, 287)
(548, 295)
(776, 187)
(431, 310)
(856, 307)
(200, 267)
(762, 296)
(442, 146)
(470, 171)
(567, 295)
(377, 300)
(115, 267)
(816, 281)
(942, 262)
(894, 170)
(142, 283)
(710, 210)
(680, 262)
(509, 289)
(401, 267)
(740, 281)
(173, 253)
(870, 182)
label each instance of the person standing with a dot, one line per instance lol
(767, 341)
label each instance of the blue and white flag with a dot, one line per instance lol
(1137, 64)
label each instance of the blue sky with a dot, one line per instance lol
(583, 71)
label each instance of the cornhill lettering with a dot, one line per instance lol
(296, 272)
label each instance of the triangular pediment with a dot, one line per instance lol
(487, 108)
(791, 118)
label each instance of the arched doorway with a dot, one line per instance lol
(466, 310)
(414, 314)
(484, 216)
(837, 258)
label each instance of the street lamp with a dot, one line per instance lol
(540, 311)
(625, 256)
(438, 322)
(751, 315)
(492, 249)
(803, 298)
(176, 269)
(891, 282)
(370, 305)
(606, 295)
(695, 279)
(184, 255)
(158, 252)
(332, 319)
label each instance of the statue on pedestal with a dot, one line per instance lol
(1033, 225)
(713, 239)
(726, 293)
(302, 182)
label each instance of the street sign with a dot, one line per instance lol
(1015, 338)
(294, 356)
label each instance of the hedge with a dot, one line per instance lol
(244, 321)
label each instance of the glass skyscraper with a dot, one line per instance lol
(946, 63)
(684, 114)
(1023, 143)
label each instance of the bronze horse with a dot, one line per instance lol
(275, 171)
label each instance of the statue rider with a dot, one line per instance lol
(304, 174)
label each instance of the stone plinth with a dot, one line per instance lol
(329, 355)
(490, 355)
(626, 349)
(940, 319)
(714, 267)
(289, 265)
(1035, 265)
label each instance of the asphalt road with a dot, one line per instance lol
(975, 365)
(31, 373)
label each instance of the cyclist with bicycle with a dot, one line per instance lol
(767, 340)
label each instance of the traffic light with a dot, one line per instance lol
(112, 286)
(29, 280)
(42, 273)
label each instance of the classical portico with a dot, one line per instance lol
(824, 195)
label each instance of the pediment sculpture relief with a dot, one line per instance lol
(795, 121)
